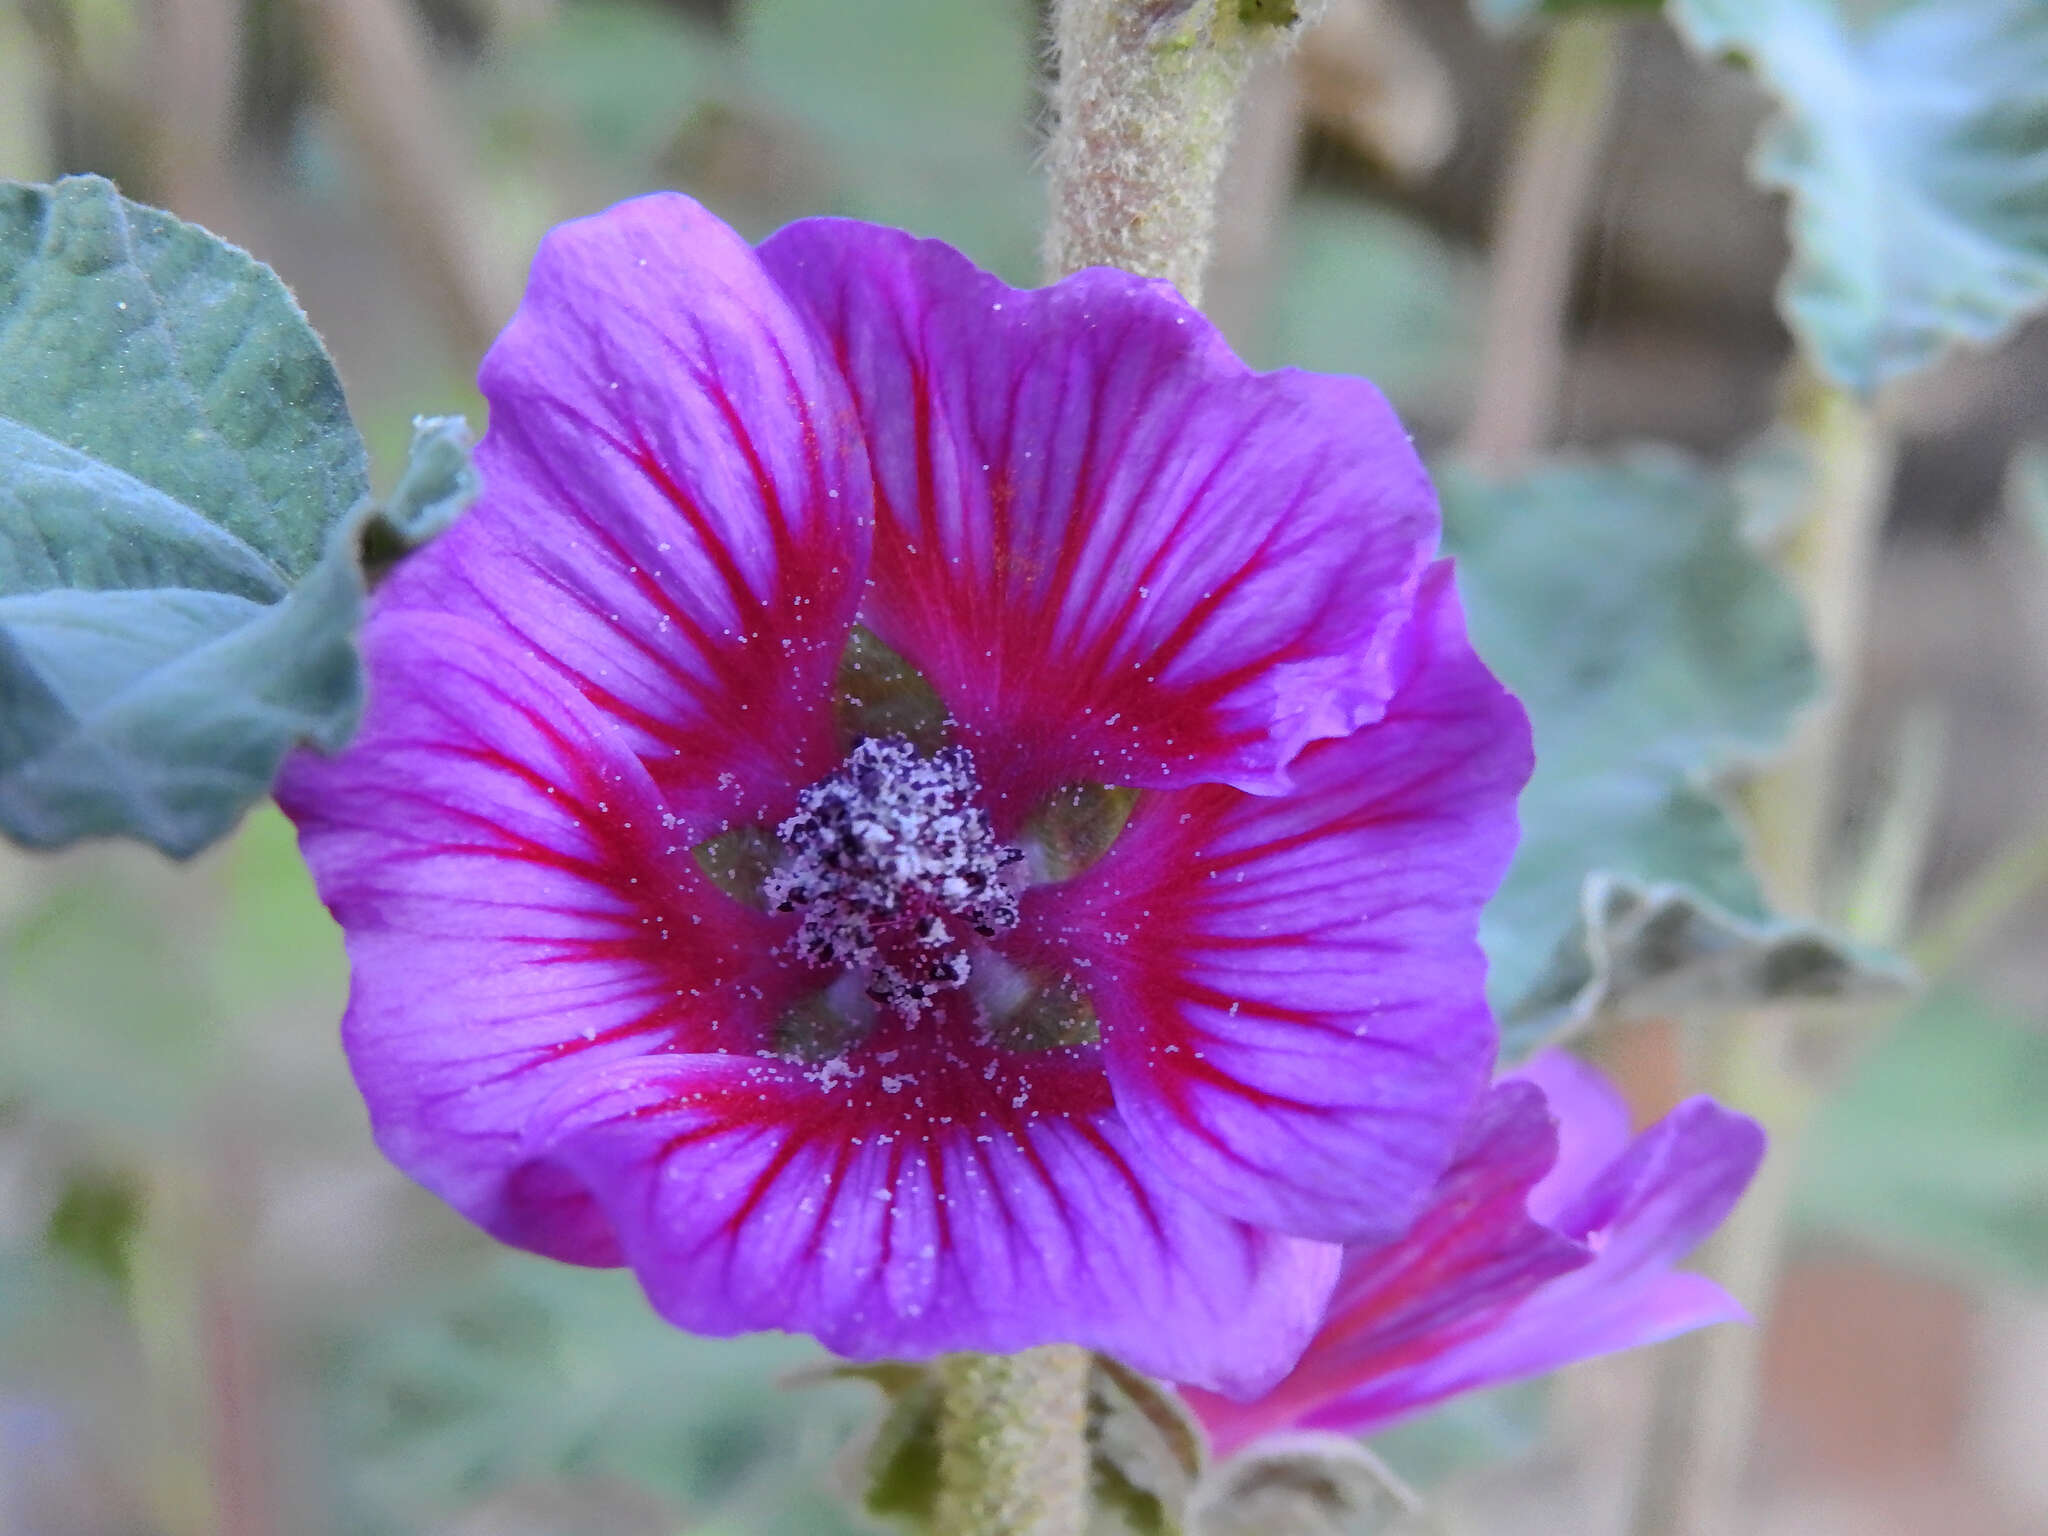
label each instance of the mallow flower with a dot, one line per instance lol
(929, 814)
(1553, 1238)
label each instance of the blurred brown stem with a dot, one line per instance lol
(1369, 77)
(193, 68)
(380, 79)
(1991, 895)
(1709, 1392)
(1549, 182)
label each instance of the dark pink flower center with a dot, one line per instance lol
(891, 865)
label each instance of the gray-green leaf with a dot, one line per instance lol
(1652, 650)
(1300, 1485)
(181, 515)
(1147, 1449)
(1912, 140)
(1653, 950)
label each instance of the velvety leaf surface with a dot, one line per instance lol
(1301, 1485)
(1936, 1148)
(1148, 1453)
(1660, 950)
(176, 603)
(1911, 138)
(1652, 649)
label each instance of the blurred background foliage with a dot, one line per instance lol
(220, 1312)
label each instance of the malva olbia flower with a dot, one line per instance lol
(928, 814)
(1553, 1238)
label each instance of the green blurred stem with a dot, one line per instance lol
(1146, 104)
(209, 1455)
(1993, 893)
(380, 78)
(25, 76)
(1792, 807)
(1549, 184)
(1877, 906)
(1013, 1453)
(1707, 1411)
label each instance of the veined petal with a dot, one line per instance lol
(1674, 1185)
(517, 908)
(676, 505)
(944, 1199)
(1118, 553)
(1387, 1352)
(1474, 1254)
(1290, 988)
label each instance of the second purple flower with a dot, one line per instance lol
(929, 814)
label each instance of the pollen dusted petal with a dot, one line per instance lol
(1119, 554)
(516, 911)
(675, 509)
(1290, 988)
(943, 1200)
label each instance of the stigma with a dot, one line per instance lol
(892, 866)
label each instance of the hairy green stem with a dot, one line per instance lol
(1146, 102)
(1013, 1455)
(1549, 184)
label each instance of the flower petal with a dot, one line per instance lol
(1592, 1126)
(1118, 553)
(947, 1199)
(1373, 1363)
(676, 505)
(1473, 1255)
(1290, 988)
(1674, 1184)
(516, 910)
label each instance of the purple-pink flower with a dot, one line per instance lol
(685, 936)
(1552, 1239)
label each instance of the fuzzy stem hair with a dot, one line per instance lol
(1013, 1455)
(1146, 103)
